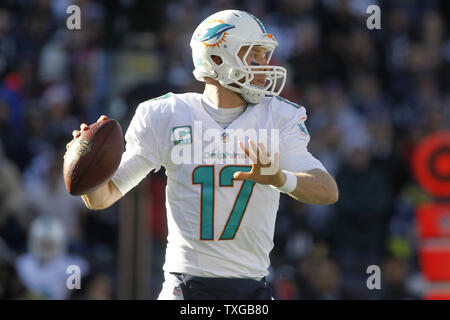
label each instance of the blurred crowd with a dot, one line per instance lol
(370, 95)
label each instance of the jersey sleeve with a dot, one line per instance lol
(142, 150)
(294, 139)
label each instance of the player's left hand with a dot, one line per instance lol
(265, 169)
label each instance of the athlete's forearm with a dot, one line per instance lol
(103, 197)
(315, 187)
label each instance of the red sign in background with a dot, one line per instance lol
(431, 168)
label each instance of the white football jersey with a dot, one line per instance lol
(217, 226)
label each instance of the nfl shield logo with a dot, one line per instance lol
(177, 292)
(225, 137)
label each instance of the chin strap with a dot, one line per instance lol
(251, 96)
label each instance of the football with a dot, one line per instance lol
(93, 157)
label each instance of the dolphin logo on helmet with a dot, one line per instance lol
(216, 32)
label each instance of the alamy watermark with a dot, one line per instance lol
(374, 280)
(73, 22)
(374, 20)
(74, 279)
(195, 145)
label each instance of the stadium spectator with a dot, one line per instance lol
(43, 270)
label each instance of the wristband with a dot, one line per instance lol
(290, 184)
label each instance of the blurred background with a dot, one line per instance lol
(370, 95)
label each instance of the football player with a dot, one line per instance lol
(221, 206)
(43, 269)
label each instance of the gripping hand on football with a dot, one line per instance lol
(76, 133)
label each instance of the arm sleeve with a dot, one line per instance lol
(141, 151)
(294, 139)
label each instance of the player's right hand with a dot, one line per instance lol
(83, 127)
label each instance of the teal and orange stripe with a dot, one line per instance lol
(261, 25)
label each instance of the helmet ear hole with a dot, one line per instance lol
(217, 60)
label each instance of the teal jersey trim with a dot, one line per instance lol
(167, 95)
(288, 102)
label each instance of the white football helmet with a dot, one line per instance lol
(223, 34)
(47, 238)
